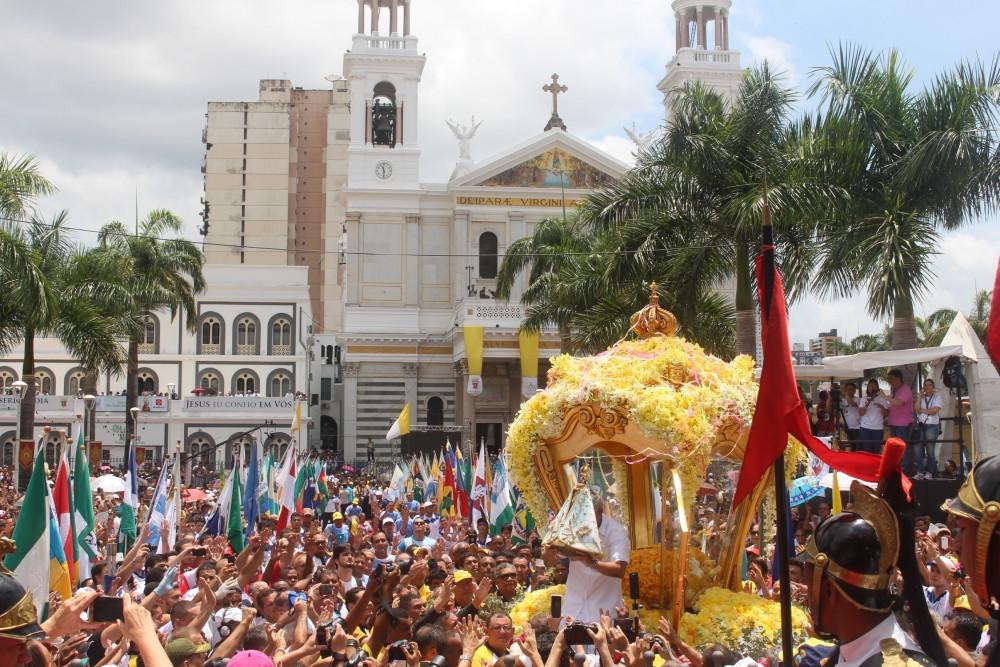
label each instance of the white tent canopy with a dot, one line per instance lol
(983, 385)
(854, 365)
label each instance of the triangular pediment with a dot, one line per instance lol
(553, 160)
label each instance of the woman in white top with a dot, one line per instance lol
(872, 408)
(928, 408)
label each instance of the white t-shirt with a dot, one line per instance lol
(587, 590)
(852, 416)
(874, 417)
(927, 402)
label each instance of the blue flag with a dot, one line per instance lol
(251, 499)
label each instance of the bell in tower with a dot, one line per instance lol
(384, 115)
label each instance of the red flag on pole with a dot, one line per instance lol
(62, 499)
(993, 330)
(780, 412)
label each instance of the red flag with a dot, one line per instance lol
(61, 496)
(779, 411)
(993, 330)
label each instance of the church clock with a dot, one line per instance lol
(383, 170)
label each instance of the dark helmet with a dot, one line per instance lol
(18, 615)
(978, 499)
(858, 550)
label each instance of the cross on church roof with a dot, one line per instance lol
(555, 88)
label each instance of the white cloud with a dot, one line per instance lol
(776, 52)
(111, 96)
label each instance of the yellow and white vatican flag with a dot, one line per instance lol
(528, 344)
(474, 355)
(401, 426)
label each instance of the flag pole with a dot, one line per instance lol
(780, 489)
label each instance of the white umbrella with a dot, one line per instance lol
(843, 481)
(108, 484)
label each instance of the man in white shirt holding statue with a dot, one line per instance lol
(594, 584)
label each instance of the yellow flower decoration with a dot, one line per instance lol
(748, 624)
(534, 603)
(673, 392)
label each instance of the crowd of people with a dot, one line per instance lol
(861, 420)
(372, 580)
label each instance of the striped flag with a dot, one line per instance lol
(401, 426)
(286, 487)
(83, 506)
(251, 499)
(33, 533)
(59, 577)
(130, 503)
(62, 500)
(158, 509)
(480, 490)
(501, 510)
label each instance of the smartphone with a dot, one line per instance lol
(627, 626)
(199, 552)
(633, 586)
(107, 609)
(326, 589)
(944, 542)
(396, 651)
(555, 609)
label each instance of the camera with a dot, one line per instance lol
(397, 650)
(199, 552)
(576, 633)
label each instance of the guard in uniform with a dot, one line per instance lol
(850, 562)
(977, 509)
(18, 619)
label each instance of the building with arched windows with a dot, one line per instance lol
(239, 366)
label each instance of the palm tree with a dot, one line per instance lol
(554, 245)
(71, 301)
(161, 272)
(694, 200)
(21, 183)
(932, 330)
(915, 163)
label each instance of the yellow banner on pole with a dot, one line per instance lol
(474, 355)
(528, 344)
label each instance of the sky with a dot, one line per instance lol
(111, 95)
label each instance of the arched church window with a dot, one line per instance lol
(435, 411)
(488, 255)
(383, 122)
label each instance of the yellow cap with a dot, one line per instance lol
(462, 575)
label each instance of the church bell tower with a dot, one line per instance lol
(703, 52)
(384, 70)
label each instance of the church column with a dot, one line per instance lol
(688, 17)
(410, 373)
(700, 14)
(725, 31)
(393, 18)
(679, 39)
(353, 277)
(515, 231)
(375, 13)
(406, 18)
(460, 245)
(411, 289)
(466, 403)
(361, 17)
(351, 371)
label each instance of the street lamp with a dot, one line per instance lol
(18, 386)
(89, 400)
(135, 431)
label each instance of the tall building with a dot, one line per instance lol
(826, 343)
(274, 170)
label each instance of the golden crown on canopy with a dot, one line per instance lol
(653, 320)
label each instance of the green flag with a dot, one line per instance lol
(83, 506)
(30, 562)
(234, 522)
(501, 509)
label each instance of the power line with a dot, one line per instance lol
(360, 253)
